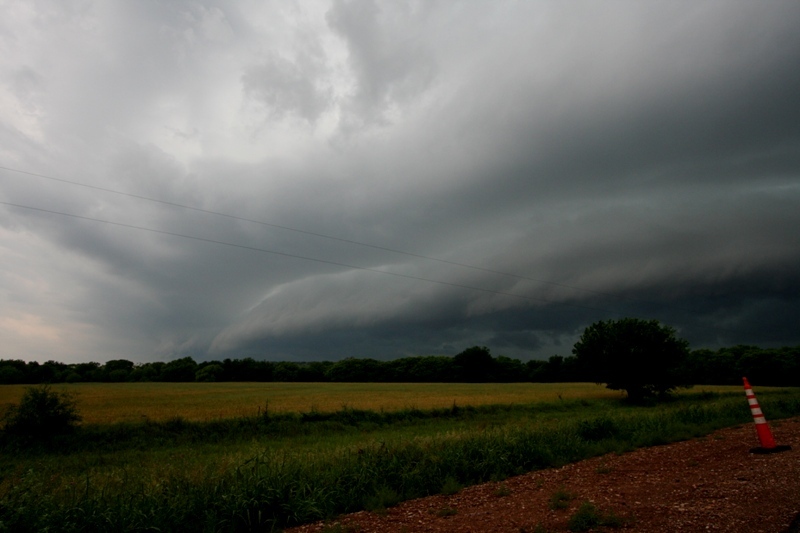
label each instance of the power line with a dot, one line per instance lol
(295, 256)
(306, 232)
(320, 235)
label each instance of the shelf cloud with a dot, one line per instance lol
(356, 178)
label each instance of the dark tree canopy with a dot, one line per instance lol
(641, 357)
(724, 366)
(475, 365)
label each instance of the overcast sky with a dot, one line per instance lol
(318, 180)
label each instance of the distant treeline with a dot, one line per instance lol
(726, 366)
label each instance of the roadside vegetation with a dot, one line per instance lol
(270, 470)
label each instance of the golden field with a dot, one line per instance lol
(120, 402)
(127, 402)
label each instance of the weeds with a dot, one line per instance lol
(338, 527)
(603, 469)
(502, 490)
(384, 497)
(560, 499)
(451, 486)
(588, 516)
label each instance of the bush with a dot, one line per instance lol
(41, 413)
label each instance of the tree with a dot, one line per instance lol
(88, 371)
(641, 357)
(209, 373)
(182, 369)
(508, 370)
(356, 370)
(285, 372)
(118, 370)
(313, 371)
(10, 374)
(420, 369)
(475, 365)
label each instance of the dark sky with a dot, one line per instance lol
(384, 179)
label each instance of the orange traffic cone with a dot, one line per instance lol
(762, 428)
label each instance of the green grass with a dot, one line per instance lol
(260, 473)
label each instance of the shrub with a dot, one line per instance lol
(585, 518)
(588, 517)
(42, 412)
(560, 499)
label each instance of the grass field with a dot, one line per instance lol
(133, 466)
(103, 403)
(131, 402)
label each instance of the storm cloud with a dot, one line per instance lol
(368, 179)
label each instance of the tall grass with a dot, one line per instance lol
(387, 459)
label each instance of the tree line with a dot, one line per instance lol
(725, 366)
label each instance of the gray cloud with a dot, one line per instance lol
(287, 88)
(544, 165)
(388, 57)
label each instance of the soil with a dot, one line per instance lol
(713, 483)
